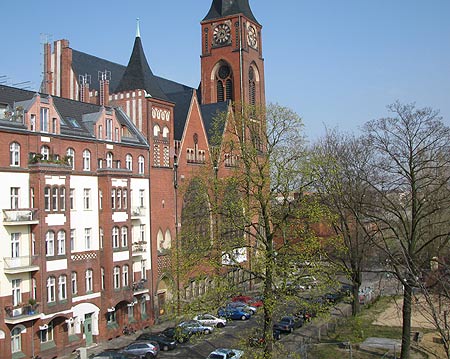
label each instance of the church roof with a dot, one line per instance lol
(138, 74)
(210, 113)
(222, 8)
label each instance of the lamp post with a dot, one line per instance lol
(177, 244)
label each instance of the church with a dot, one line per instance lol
(89, 170)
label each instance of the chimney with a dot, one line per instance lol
(104, 78)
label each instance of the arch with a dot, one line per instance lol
(156, 130)
(165, 132)
(160, 240)
(2, 334)
(168, 238)
(222, 76)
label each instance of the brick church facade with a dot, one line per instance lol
(87, 173)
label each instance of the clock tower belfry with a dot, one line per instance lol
(232, 66)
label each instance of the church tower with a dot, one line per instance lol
(232, 66)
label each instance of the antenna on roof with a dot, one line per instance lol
(104, 75)
(84, 79)
(138, 31)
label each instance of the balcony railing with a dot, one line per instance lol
(19, 264)
(19, 216)
(20, 314)
(139, 248)
(140, 286)
(137, 212)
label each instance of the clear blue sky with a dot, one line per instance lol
(337, 63)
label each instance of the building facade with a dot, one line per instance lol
(87, 167)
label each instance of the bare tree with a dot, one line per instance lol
(337, 161)
(409, 176)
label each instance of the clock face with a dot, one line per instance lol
(222, 34)
(252, 38)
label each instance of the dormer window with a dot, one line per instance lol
(54, 125)
(100, 132)
(109, 128)
(44, 121)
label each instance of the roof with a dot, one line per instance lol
(138, 74)
(223, 8)
(182, 102)
(210, 113)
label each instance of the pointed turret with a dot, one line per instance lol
(138, 75)
(222, 8)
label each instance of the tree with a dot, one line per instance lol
(336, 164)
(409, 177)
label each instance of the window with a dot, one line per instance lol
(55, 198)
(101, 235)
(124, 237)
(165, 132)
(102, 274)
(86, 160)
(70, 153)
(109, 160)
(47, 334)
(34, 288)
(16, 293)
(51, 290)
(252, 86)
(116, 134)
(33, 123)
(15, 245)
(141, 164)
(72, 198)
(87, 238)
(44, 119)
(45, 152)
(100, 199)
(31, 197)
(87, 198)
(73, 277)
(50, 244)
(116, 277)
(129, 162)
(14, 151)
(115, 237)
(142, 198)
(119, 198)
(16, 340)
(100, 132)
(125, 276)
(89, 282)
(110, 317)
(143, 269)
(125, 199)
(14, 197)
(156, 130)
(142, 232)
(62, 198)
(109, 129)
(62, 287)
(61, 243)
(113, 198)
(72, 240)
(54, 125)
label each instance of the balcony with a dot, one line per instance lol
(21, 314)
(137, 212)
(139, 248)
(18, 265)
(19, 217)
(140, 287)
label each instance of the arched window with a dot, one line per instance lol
(124, 236)
(61, 243)
(45, 152)
(129, 162)
(14, 150)
(252, 86)
(165, 132)
(116, 277)
(86, 160)
(168, 239)
(50, 243)
(62, 287)
(16, 340)
(115, 237)
(70, 153)
(109, 160)
(224, 82)
(141, 165)
(51, 289)
(125, 276)
(156, 130)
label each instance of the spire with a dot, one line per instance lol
(138, 75)
(222, 8)
(138, 30)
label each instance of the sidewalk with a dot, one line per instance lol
(121, 341)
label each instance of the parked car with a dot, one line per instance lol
(243, 306)
(147, 350)
(114, 354)
(251, 301)
(234, 313)
(223, 353)
(176, 333)
(288, 324)
(164, 342)
(211, 320)
(195, 327)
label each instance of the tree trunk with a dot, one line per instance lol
(356, 307)
(406, 332)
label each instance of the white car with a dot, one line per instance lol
(211, 320)
(224, 353)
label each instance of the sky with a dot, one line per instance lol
(337, 63)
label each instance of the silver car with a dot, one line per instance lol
(147, 350)
(211, 320)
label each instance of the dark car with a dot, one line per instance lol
(114, 354)
(176, 333)
(164, 342)
(234, 313)
(288, 324)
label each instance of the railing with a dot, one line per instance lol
(19, 314)
(19, 215)
(139, 247)
(138, 212)
(140, 285)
